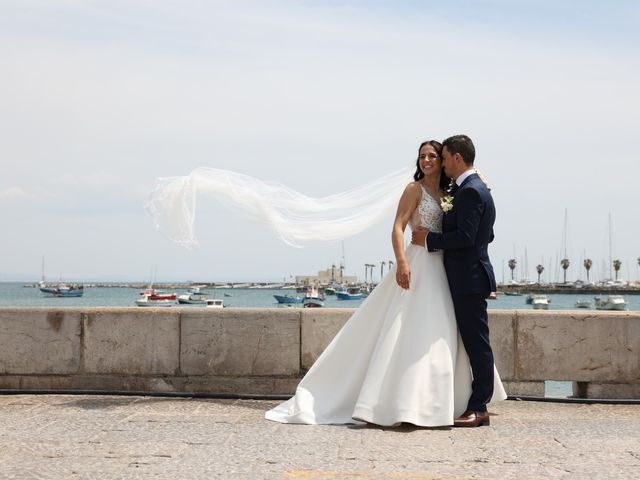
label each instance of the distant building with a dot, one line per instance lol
(325, 276)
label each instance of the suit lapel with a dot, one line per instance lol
(450, 222)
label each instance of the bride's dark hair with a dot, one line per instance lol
(437, 146)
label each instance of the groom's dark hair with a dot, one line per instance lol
(463, 145)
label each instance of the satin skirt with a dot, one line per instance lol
(399, 358)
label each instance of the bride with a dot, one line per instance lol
(399, 358)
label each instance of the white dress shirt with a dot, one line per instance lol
(464, 176)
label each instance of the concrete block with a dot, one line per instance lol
(131, 341)
(240, 341)
(501, 328)
(607, 390)
(591, 346)
(253, 385)
(318, 327)
(39, 340)
(9, 382)
(526, 389)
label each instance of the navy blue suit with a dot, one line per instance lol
(467, 230)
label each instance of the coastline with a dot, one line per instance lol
(502, 288)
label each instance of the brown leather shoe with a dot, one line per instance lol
(472, 419)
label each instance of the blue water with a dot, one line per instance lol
(16, 295)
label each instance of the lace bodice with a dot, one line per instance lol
(428, 214)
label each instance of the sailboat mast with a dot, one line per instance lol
(610, 256)
(564, 239)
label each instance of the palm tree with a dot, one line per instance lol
(341, 271)
(616, 266)
(539, 269)
(565, 264)
(366, 267)
(391, 263)
(512, 265)
(371, 266)
(587, 265)
(382, 264)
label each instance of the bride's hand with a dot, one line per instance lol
(403, 275)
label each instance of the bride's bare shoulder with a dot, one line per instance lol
(413, 188)
(412, 193)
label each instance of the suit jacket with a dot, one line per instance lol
(467, 230)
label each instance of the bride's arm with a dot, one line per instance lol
(408, 203)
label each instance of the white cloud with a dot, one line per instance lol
(13, 193)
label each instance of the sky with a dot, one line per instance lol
(99, 98)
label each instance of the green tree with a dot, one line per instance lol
(539, 269)
(588, 263)
(565, 264)
(512, 265)
(616, 266)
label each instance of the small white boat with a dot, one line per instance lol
(583, 304)
(313, 298)
(147, 301)
(612, 302)
(192, 299)
(312, 302)
(540, 302)
(215, 303)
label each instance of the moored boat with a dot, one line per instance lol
(612, 302)
(192, 299)
(215, 303)
(284, 299)
(312, 302)
(540, 302)
(147, 301)
(353, 293)
(154, 294)
(583, 304)
(62, 290)
(313, 299)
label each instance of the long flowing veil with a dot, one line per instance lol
(296, 218)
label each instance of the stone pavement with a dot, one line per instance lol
(111, 437)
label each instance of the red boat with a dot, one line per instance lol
(154, 294)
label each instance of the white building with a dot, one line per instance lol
(325, 276)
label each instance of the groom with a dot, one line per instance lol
(467, 232)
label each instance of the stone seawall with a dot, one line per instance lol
(266, 351)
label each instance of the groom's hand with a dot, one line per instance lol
(419, 236)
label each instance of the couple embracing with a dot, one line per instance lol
(417, 350)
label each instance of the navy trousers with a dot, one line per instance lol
(473, 323)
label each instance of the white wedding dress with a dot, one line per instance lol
(399, 358)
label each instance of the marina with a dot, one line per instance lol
(14, 294)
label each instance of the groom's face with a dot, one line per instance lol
(448, 163)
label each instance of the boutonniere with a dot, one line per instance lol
(446, 203)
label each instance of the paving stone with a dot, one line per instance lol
(109, 437)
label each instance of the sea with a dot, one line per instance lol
(14, 294)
